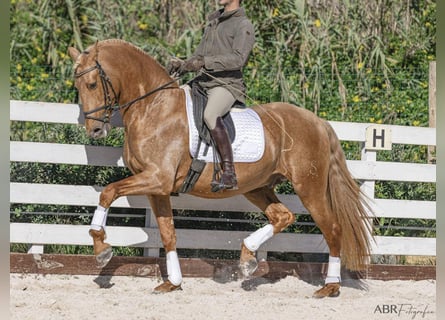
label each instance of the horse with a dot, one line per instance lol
(114, 75)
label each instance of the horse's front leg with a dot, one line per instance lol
(102, 250)
(161, 207)
(139, 184)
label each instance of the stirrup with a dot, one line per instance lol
(220, 185)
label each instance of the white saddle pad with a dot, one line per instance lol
(248, 145)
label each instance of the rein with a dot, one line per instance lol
(111, 105)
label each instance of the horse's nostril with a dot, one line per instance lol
(97, 132)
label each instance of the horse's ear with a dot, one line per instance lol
(74, 53)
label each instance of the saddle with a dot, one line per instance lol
(199, 99)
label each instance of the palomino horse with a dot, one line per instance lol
(300, 147)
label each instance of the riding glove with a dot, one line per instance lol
(174, 65)
(192, 64)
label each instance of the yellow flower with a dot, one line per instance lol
(356, 99)
(84, 19)
(69, 83)
(379, 121)
(360, 65)
(416, 123)
(29, 87)
(368, 70)
(323, 114)
(427, 24)
(276, 12)
(306, 85)
(34, 60)
(19, 67)
(44, 76)
(371, 119)
(317, 23)
(142, 26)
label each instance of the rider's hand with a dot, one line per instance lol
(192, 64)
(174, 66)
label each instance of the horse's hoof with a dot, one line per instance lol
(248, 267)
(104, 257)
(167, 286)
(248, 263)
(331, 290)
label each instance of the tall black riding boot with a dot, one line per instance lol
(224, 147)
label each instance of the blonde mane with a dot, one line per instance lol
(123, 42)
(114, 42)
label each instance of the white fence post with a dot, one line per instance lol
(368, 186)
(150, 222)
(35, 248)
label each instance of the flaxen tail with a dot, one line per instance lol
(349, 204)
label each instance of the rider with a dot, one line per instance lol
(223, 51)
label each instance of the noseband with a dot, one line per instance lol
(111, 104)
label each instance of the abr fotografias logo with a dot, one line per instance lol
(404, 310)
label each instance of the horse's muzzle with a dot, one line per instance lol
(99, 131)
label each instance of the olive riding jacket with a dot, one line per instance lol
(226, 44)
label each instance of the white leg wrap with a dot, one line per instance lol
(256, 239)
(173, 268)
(99, 219)
(334, 270)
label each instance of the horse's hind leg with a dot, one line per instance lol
(318, 206)
(279, 218)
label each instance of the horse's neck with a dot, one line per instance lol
(138, 75)
(137, 82)
(158, 109)
(142, 83)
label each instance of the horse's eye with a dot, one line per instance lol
(92, 86)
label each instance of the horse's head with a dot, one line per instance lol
(96, 92)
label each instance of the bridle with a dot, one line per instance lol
(111, 104)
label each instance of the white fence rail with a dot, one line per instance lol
(368, 170)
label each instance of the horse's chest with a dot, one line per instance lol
(131, 161)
